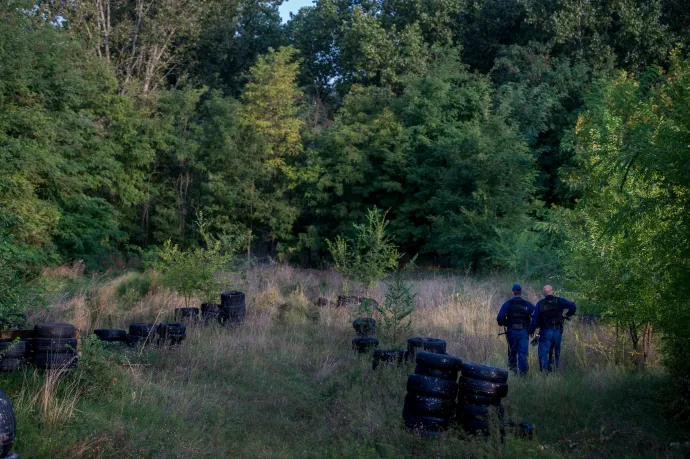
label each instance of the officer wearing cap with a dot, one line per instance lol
(548, 316)
(516, 316)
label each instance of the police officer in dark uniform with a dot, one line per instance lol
(516, 316)
(548, 316)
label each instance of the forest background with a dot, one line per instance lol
(537, 137)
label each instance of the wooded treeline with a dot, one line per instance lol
(122, 120)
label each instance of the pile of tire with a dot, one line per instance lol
(365, 328)
(482, 389)
(418, 344)
(8, 428)
(15, 354)
(187, 315)
(171, 333)
(112, 337)
(141, 334)
(431, 392)
(233, 308)
(55, 346)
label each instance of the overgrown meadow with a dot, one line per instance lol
(286, 384)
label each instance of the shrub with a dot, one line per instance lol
(395, 314)
(369, 256)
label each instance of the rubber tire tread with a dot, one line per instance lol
(54, 330)
(230, 299)
(17, 350)
(363, 344)
(8, 425)
(479, 387)
(432, 387)
(485, 373)
(55, 345)
(436, 373)
(423, 405)
(434, 345)
(439, 361)
(429, 423)
(480, 400)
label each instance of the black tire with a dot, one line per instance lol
(109, 335)
(11, 364)
(172, 332)
(435, 345)
(8, 425)
(484, 373)
(54, 330)
(436, 373)
(423, 405)
(57, 361)
(480, 400)
(428, 423)
(189, 314)
(475, 386)
(432, 387)
(229, 299)
(142, 329)
(482, 413)
(362, 345)
(55, 345)
(364, 326)
(439, 361)
(14, 349)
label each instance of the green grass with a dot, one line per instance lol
(292, 388)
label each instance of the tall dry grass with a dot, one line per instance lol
(286, 384)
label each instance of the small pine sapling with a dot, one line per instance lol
(395, 314)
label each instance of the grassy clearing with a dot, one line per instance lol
(287, 385)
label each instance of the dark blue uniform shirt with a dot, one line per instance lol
(562, 302)
(502, 317)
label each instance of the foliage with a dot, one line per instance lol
(196, 271)
(627, 240)
(395, 314)
(369, 256)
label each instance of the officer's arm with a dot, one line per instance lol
(535, 319)
(501, 317)
(569, 305)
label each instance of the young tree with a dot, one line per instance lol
(272, 128)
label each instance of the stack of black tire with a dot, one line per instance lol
(171, 333)
(8, 428)
(365, 328)
(187, 315)
(15, 354)
(482, 389)
(388, 357)
(233, 308)
(141, 334)
(431, 392)
(55, 346)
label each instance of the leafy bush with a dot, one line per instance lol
(196, 271)
(369, 256)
